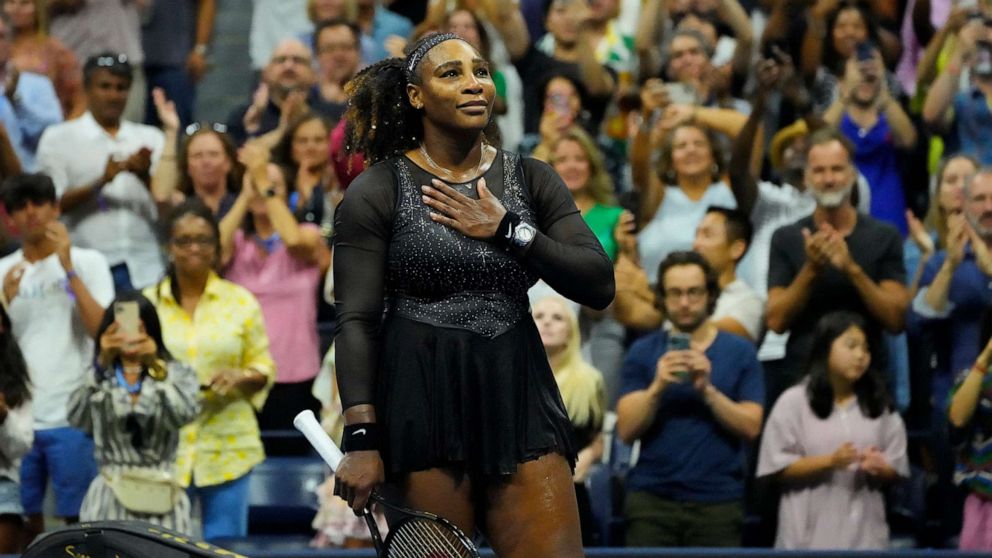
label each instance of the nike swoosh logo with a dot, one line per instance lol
(359, 432)
(509, 232)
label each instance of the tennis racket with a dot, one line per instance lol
(416, 534)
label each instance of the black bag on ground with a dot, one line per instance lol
(121, 539)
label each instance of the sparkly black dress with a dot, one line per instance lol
(434, 328)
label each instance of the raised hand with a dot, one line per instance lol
(625, 235)
(982, 256)
(140, 162)
(166, 110)
(957, 239)
(253, 116)
(814, 245)
(919, 234)
(58, 235)
(12, 281)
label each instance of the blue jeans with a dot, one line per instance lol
(64, 455)
(224, 507)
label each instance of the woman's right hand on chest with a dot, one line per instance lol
(357, 474)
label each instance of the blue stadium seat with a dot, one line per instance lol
(281, 495)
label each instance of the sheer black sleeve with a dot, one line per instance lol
(362, 226)
(565, 253)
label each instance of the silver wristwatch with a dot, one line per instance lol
(523, 235)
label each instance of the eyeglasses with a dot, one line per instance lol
(111, 61)
(202, 241)
(694, 294)
(295, 59)
(197, 126)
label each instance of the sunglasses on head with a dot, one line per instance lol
(197, 126)
(111, 61)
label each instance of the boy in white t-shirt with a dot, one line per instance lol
(55, 295)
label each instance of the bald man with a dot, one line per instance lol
(287, 79)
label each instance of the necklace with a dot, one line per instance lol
(122, 381)
(475, 173)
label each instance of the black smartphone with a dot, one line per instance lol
(679, 342)
(865, 51)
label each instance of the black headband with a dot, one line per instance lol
(418, 54)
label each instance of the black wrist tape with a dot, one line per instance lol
(504, 232)
(360, 437)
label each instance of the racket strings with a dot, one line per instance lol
(422, 538)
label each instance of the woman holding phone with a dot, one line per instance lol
(133, 406)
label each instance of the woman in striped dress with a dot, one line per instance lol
(134, 406)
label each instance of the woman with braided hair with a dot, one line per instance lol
(447, 393)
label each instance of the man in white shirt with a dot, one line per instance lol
(55, 295)
(101, 166)
(722, 238)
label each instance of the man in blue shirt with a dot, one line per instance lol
(956, 288)
(692, 405)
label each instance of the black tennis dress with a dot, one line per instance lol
(434, 328)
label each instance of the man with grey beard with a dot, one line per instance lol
(835, 259)
(955, 288)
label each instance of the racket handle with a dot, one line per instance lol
(306, 423)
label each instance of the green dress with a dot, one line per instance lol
(603, 219)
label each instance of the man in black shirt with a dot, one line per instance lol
(836, 259)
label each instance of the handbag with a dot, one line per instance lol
(143, 490)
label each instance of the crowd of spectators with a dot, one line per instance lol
(796, 196)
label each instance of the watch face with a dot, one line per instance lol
(523, 234)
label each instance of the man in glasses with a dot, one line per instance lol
(693, 395)
(101, 165)
(287, 90)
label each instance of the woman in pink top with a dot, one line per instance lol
(281, 262)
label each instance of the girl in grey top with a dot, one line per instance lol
(134, 406)
(833, 441)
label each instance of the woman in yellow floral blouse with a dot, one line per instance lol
(217, 328)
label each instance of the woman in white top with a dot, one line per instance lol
(687, 180)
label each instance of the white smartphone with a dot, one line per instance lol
(126, 316)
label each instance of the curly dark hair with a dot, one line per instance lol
(687, 257)
(381, 122)
(870, 389)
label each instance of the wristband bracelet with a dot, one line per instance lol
(504, 232)
(360, 437)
